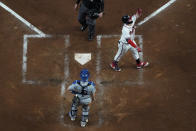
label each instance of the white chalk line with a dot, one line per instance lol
(98, 82)
(25, 51)
(98, 62)
(66, 66)
(24, 63)
(140, 82)
(65, 81)
(43, 35)
(98, 70)
(66, 70)
(32, 27)
(100, 99)
(156, 12)
(25, 54)
(140, 41)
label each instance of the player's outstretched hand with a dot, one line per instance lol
(101, 14)
(139, 12)
(139, 49)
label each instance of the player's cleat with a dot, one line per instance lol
(142, 64)
(73, 118)
(83, 27)
(83, 123)
(115, 67)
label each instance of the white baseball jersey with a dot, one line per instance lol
(128, 31)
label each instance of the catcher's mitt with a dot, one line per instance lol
(93, 14)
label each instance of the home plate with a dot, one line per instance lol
(82, 58)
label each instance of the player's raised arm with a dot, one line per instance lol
(76, 4)
(138, 12)
(101, 8)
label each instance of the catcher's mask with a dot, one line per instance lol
(127, 19)
(84, 75)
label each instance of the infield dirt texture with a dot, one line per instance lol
(161, 97)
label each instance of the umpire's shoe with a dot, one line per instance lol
(83, 27)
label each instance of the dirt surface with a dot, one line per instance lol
(158, 98)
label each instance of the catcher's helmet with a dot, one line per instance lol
(84, 75)
(126, 19)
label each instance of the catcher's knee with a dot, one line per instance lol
(85, 108)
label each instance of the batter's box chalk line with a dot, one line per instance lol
(99, 46)
(25, 56)
(64, 84)
(43, 35)
(100, 84)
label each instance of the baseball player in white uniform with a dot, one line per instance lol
(127, 42)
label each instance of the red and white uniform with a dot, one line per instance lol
(128, 33)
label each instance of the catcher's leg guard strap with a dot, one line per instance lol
(74, 106)
(85, 112)
(73, 111)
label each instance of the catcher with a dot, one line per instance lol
(89, 11)
(127, 42)
(84, 94)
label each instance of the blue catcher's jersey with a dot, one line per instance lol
(83, 90)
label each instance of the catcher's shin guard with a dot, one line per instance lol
(83, 124)
(72, 115)
(73, 112)
(74, 106)
(85, 112)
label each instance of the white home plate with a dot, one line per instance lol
(82, 58)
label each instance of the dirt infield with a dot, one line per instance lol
(158, 98)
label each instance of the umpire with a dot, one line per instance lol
(89, 11)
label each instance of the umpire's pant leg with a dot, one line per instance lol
(91, 25)
(83, 11)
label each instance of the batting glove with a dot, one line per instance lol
(139, 49)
